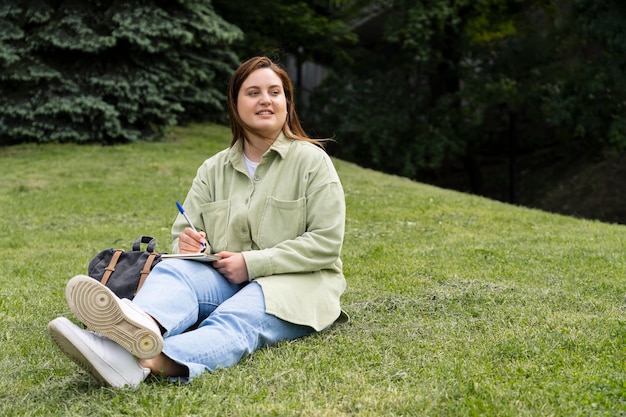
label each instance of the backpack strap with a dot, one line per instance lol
(111, 267)
(147, 267)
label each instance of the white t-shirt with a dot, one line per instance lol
(251, 165)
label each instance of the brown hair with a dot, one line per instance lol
(292, 128)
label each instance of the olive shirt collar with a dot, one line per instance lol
(280, 147)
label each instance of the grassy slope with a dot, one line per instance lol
(460, 305)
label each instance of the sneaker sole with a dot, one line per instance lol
(98, 308)
(64, 336)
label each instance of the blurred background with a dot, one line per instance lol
(519, 101)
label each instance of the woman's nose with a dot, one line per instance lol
(265, 98)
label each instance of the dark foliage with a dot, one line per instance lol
(448, 83)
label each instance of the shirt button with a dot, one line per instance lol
(257, 177)
(244, 230)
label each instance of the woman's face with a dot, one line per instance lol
(261, 103)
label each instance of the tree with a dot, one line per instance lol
(102, 71)
(306, 28)
(447, 80)
(586, 98)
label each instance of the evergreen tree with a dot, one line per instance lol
(110, 71)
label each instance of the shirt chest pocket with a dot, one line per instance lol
(281, 220)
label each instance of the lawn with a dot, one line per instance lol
(459, 305)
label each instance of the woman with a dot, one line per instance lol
(272, 207)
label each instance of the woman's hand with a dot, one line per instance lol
(232, 266)
(190, 241)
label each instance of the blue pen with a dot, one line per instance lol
(182, 211)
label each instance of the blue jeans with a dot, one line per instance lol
(210, 323)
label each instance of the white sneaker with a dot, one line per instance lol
(102, 358)
(118, 319)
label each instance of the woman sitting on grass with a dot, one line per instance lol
(272, 207)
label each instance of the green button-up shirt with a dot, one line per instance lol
(288, 221)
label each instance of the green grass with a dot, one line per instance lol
(460, 306)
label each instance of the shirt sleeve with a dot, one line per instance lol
(198, 194)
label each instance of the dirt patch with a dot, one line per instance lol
(570, 183)
(596, 191)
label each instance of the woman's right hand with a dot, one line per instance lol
(190, 241)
